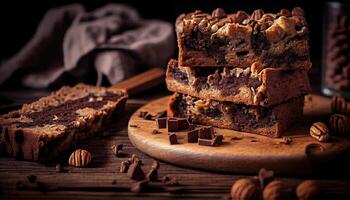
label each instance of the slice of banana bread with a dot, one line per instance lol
(46, 128)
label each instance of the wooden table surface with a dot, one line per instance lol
(195, 184)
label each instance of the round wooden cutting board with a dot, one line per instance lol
(245, 152)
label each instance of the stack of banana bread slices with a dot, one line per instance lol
(242, 72)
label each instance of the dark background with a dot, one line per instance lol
(20, 19)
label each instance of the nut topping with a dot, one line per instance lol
(297, 11)
(257, 14)
(218, 13)
(319, 131)
(80, 158)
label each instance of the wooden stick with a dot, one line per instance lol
(143, 81)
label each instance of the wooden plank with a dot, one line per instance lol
(198, 184)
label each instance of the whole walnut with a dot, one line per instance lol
(245, 189)
(308, 190)
(276, 190)
(80, 158)
(339, 124)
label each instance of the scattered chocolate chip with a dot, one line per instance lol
(31, 178)
(173, 138)
(265, 177)
(173, 125)
(135, 172)
(165, 179)
(59, 168)
(152, 175)
(124, 166)
(206, 132)
(205, 142)
(192, 136)
(155, 132)
(155, 164)
(161, 122)
(218, 13)
(217, 141)
(133, 126)
(117, 148)
(139, 186)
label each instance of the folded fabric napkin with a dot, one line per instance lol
(112, 41)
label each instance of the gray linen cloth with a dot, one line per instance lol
(112, 41)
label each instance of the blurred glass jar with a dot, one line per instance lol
(336, 50)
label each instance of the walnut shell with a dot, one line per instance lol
(80, 158)
(308, 190)
(276, 190)
(319, 131)
(244, 189)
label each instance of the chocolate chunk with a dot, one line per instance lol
(117, 149)
(148, 116)
(135, 172)
(218, 140)
(124, 166)
(114, 182)
(265, 177)
(139, 186)
(133, 126)
(31, 178)
(161, 122)
(192, 136)
(173, 125)
(205, 142)
(206, 132)
(152, 175)
(155, 132)
(182, 123)
(161, 114)
(155, 164)
(173, 139)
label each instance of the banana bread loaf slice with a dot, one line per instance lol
(271, 121)
(46, 128)
(250, 86)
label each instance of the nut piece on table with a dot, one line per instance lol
(276, 190)
(339, 105)
(245, 189)
(339, 124)
(80, 158)
(308, 190)
(319, 131)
